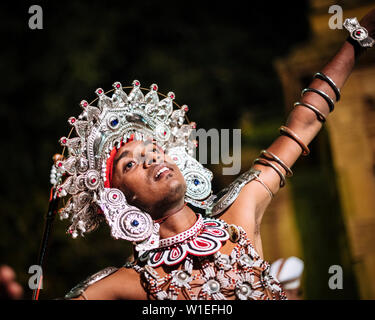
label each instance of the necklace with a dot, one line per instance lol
(206, 273)
(204, 238)
(167, 242)
(161, 220)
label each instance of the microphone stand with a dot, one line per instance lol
(51, 213)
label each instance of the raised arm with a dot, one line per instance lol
(306, 119)
(303, 124)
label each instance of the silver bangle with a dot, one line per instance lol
(325, 96)
(358, 33)
(265, 186)
(265, 153)
(332, 84)
(321, 117)
(270, 164)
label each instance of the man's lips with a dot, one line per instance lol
(161, 171)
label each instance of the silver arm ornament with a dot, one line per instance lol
(358, 33)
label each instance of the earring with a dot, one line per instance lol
(197, 178)
(128, 222)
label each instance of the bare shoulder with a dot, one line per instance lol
(120, 284)
(129, 285)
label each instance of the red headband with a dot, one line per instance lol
(109, 165)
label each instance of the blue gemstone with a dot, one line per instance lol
(196, 182)
(114, 122)
(135, 223)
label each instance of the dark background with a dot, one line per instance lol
(216, 56)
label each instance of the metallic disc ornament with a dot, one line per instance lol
(134, 225)
(197, 178)
(198, 184)
(92, 179)
(360, 34)
(126, 221)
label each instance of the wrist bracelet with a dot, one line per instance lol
(358, 33)
(289, 133)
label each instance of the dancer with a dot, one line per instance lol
(132, 164)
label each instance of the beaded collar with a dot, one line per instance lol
(242, 275)
(204, 238)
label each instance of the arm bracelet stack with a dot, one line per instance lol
(267, 157)
(361, 36)
(268, 163)
(270, 156)
(321, 76)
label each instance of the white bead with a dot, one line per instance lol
(182, 275)
(244, 289)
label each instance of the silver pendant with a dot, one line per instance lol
(128, 222)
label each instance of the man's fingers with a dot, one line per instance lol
(9, 288)
(6, 274)
(15, 291)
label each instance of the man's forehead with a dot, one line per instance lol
(133, 145)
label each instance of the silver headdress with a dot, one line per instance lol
(102, 127)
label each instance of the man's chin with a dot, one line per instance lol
(174, 194)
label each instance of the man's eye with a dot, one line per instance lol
(129, 165)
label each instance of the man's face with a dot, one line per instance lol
(148, 177)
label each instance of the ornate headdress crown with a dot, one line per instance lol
(103, 127)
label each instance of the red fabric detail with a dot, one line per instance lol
(203, 244)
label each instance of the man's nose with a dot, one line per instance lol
(152, 157)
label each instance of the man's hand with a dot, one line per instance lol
(9, 288)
